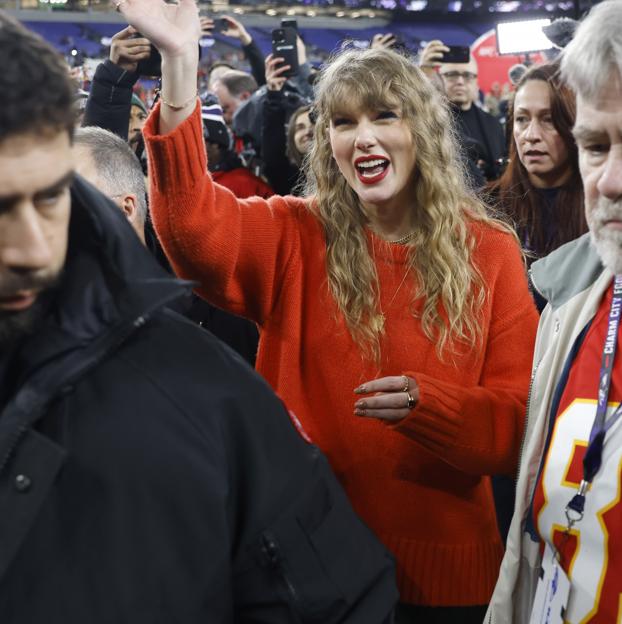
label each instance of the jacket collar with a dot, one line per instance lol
(567, 271)
(109, 278)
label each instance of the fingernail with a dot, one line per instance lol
(360, 390)
(360, 405)
(359, 412)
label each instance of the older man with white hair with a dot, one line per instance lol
(562, 562)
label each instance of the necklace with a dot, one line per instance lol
(378, 320)
(402, 241)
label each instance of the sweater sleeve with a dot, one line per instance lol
(478, 429)
(238, 250)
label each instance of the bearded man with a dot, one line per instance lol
(562, 559)
(146, 473)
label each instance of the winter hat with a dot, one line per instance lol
(136, 101)
(214, 128)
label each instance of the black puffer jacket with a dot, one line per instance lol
(148, 475)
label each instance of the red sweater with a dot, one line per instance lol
(419, 485)
(242, 183)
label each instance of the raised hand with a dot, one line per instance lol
(236, 30)
(432, 55)
(207, 26)
(274, 78)
(173, 28)
(126, 49)
(383, 41)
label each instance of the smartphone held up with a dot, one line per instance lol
(457, 54)
(284, 45)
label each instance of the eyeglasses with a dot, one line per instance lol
(454, 75)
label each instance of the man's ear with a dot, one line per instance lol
(244, 95)
(129, 205)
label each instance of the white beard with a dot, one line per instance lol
(608, 242)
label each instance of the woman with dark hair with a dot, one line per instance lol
(395, 317)
(299, 135)
(540, 191)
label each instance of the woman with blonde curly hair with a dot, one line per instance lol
(395, 317)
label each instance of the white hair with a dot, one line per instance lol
(117, 166)
(594, 56)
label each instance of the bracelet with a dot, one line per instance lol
(177, 107)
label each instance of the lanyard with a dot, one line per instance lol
(594, 453)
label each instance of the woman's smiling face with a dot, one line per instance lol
(375, 152)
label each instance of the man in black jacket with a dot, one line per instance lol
(481, 133)
(146, 474)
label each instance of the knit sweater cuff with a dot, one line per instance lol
(177, 160)
(437, 417)
(475, 429)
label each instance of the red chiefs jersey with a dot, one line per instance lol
(592, 552)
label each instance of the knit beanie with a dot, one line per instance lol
(136, 101)
(214, 128)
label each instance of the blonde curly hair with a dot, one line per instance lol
(441, 249)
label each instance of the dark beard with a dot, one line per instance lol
(16, 325)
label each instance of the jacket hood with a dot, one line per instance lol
(567, 271)
(109, 279)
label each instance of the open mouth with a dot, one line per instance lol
(371, 169)
(535, 153)
(19, 301)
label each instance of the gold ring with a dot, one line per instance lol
(406, 384)
(411, 402)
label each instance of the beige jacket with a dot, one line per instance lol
(573, 281)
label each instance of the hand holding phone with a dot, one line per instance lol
(284, 45)
(230, 27)
(274, 68)
(221, 24)
(128, 48)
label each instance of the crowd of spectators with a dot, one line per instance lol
(362, 234)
